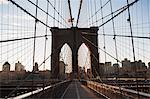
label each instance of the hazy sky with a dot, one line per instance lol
(14, 23)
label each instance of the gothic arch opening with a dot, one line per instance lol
(74, 38)
(65, 61)
(84, 62)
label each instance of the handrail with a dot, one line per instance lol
(37, 91)
(116, 88)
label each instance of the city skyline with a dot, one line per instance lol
(112, 65)
(20, 27)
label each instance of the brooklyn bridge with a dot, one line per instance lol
(75, 49)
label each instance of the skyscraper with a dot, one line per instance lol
(6, 67)
(19, 67)
(35, 68)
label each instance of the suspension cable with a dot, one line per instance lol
(100, 48)
(81, 1)
(32, 73)
(129, 19)
(35, 30)
(95, 4)
(114, 38)
(104, 41)
(13, 2)
(128, 5)
(51, 15)
(128, 36)
(113, 24)
(45, 46)
(70, 12)
(18, 39)
(102, 6)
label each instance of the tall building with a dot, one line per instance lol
(116, 68)
(36, 68)
(19, 67)
(101, 69)
(89, 73)
(148, 65)
(138, 66)
(62, 69)
(6, 67)
(126, 65)
(108, 69)
(107, 64)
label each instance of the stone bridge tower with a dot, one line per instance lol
(74, 37)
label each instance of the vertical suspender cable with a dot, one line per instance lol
(91, 10)
(95, 11)
(114, 31)
(88, 10)
(116, 51)
(8, 32)
(45, 45)
(58, 11)
(129, 19)
(148, 14)
(34, 41)
(142, 31)
(1, 31)
(54, 12)
(46, 36)
(70, 12)
(103, 29)
(81, 1)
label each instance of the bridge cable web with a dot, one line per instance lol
(70, 12)
(45, 46)
(34, 41)
(103, 30)
(115, 43)
(80, 7)
(23, 80)
(128, 36)
(133, 49)
(23, 39)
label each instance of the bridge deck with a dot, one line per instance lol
(78, 91)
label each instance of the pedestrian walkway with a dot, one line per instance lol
(78, 91)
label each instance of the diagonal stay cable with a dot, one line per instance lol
(58, 12)
(81, 1)
(31, 73)
(70, 11)
(122, 9)
(19, 39)
(47, 12)
(128, 5)
(140, 37)
(99, 9)
(13, 2)
(99, 48)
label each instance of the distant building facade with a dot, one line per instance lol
(126, 65)
(6, 67)
(62, 69)
(19, 67)
(36, 68)
(89, 74)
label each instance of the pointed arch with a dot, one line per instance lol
(84, 61)
(66, 56)
(74, 37)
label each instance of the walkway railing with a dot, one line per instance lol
(116, 92)
(40, 93)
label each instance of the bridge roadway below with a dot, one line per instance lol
(78, 91)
